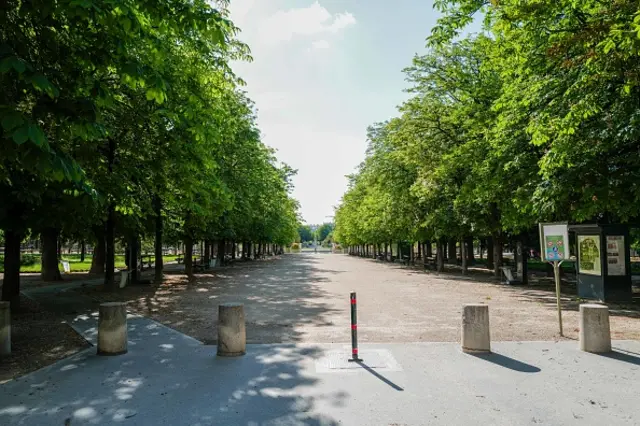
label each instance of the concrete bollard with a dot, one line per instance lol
(595, 333)
(112, 329)
(475, 329)
(232, 335)
(5, 328)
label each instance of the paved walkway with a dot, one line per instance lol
(168, 378)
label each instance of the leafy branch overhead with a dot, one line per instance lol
(534, 119)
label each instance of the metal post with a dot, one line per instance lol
(556, 270)
(354, 329)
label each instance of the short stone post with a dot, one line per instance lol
(475, 329)
(5, 328)
(232, 335)
(112, 329)
(595, 333)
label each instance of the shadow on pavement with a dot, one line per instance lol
(625, 356)
(507, 362)
(379, 376)
(169, 378)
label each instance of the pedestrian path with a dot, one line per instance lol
(169, 378)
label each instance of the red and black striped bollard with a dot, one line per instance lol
(354, 329)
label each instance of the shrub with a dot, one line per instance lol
(29, 259)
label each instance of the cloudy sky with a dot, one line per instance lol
(323, 71)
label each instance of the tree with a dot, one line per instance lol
(305, 233)
(323, 231)
(122, 121)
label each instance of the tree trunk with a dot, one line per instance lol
(490, 253)
(221, 244)
(522, 258)
(463, 256)
(233, 250)
(159, 260)
(49, 259)
(188, 257)
(11, 281)
(207, 253)
(419, 249)
(133, 260)
(429, 250)
(83, 251)
(497, 256)
(99, 254)
(451, 251)
(440, 256)
(110, 261)
(469, 249)
(483, 245)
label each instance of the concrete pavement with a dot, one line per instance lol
(169, 378)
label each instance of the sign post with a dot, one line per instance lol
(554, 248)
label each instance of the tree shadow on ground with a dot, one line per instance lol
(543, 293)
(570, 302)
(169, 378)
(279, 295)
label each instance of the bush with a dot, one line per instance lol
(29, 259)
(295, 246)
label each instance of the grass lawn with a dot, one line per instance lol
(31, 262)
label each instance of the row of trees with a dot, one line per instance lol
(122, 120)
(535, 119)
(321, 233)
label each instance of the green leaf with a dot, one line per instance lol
(11, 121)
(40, 82)
(21, 135)
(36, 135)
(12, 62)
(126, 24)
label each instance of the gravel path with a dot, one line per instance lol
(305, 298)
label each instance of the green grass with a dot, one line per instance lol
(31, 262)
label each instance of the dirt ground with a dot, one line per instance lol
(305, 298)
(38, 338)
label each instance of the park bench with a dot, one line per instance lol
(508, 274)
(145, 259)
(429, 263)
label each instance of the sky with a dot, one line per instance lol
(323, 71)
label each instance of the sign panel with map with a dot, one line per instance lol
(589, 254)
(616, 255)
